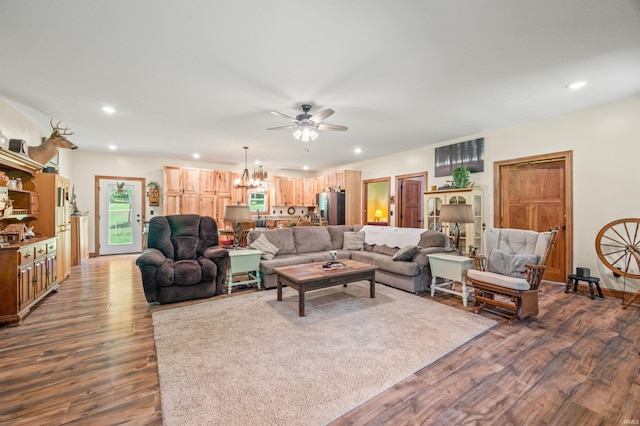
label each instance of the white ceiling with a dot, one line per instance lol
(201, 76)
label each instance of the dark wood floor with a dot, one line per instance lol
(86, 355)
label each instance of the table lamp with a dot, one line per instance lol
(456, 213)
(237, 215)
(378, 215)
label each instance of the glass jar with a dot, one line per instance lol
(4, 179)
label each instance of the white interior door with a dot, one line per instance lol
(120, 216)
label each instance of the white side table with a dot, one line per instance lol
(454, 269)
(245, 262)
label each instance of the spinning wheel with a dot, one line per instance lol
(618, 247)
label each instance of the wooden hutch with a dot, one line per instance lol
(28, 270)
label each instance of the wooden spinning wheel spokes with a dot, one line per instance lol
(618, 247)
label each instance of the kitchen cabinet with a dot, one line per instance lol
(189, 190)
(470, 233)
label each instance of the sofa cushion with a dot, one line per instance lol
(268, 250)
(309, 239)
(281, 238)
(266, 266)
(499, 279)
(185, 248)
(385, 263)
(510, 264)
(406, 254)
(353, 241)
(336, 232)
(431, 238)
(187, 272)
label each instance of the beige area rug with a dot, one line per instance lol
(250, 360)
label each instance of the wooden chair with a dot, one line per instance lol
(246, 227)
(507, 276)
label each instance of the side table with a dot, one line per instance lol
(452, 268)
(573, 279)
(245, 262)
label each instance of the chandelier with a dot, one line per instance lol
(259, 178)
(245, 181)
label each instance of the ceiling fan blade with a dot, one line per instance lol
(282, 127)
(322, 115)
(332, 127)
(282, 115)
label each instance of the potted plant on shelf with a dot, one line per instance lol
(461, 177)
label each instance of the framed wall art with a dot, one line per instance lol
(467, 153)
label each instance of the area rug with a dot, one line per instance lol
(252, 360)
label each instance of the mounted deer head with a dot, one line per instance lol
(49, 148)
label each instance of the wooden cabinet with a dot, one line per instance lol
(28, 272)
(205, 192)
(26, 277)
(470, 233)
(55, 217)
(79, 239)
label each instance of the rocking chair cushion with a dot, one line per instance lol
(510, 264)
(498, 279)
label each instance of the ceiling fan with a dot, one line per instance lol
(306, 125)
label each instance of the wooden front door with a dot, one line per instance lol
(532, 194)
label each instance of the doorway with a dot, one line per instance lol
(375, 199)
(537, 193)
(409, 207)
(119, 215)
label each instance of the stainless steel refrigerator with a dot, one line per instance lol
(331, 207)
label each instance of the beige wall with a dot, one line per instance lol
(604, 141)
(606, 153)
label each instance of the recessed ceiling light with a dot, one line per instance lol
(577, 85)
(196, 155)
(108, 110)
(112, 147)
(305, 167)
(358, 150)
(257, 162)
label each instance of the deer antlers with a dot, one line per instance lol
(58, 131)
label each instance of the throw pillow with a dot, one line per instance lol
(406, 254)
(510, 264)
(268, 250)
(353, 241)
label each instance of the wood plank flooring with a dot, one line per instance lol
(86, 355)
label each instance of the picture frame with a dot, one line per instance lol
(468, 153)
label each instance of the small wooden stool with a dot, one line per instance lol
(573, 278)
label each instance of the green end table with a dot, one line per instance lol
(244, 262)
(453, 269)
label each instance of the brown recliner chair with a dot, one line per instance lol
(183, 260)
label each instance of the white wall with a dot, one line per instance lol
(606, 158)
(604, 141)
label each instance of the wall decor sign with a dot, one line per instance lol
(467, 153)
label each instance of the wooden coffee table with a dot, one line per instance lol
(311, 276)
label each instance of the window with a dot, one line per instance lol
(258, 202)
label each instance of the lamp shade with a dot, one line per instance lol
(456, 213)
(237, 214)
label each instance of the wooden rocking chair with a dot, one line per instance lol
(507, 276)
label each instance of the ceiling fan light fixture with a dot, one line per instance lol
(305, 134)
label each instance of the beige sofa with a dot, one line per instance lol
(306, 244)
